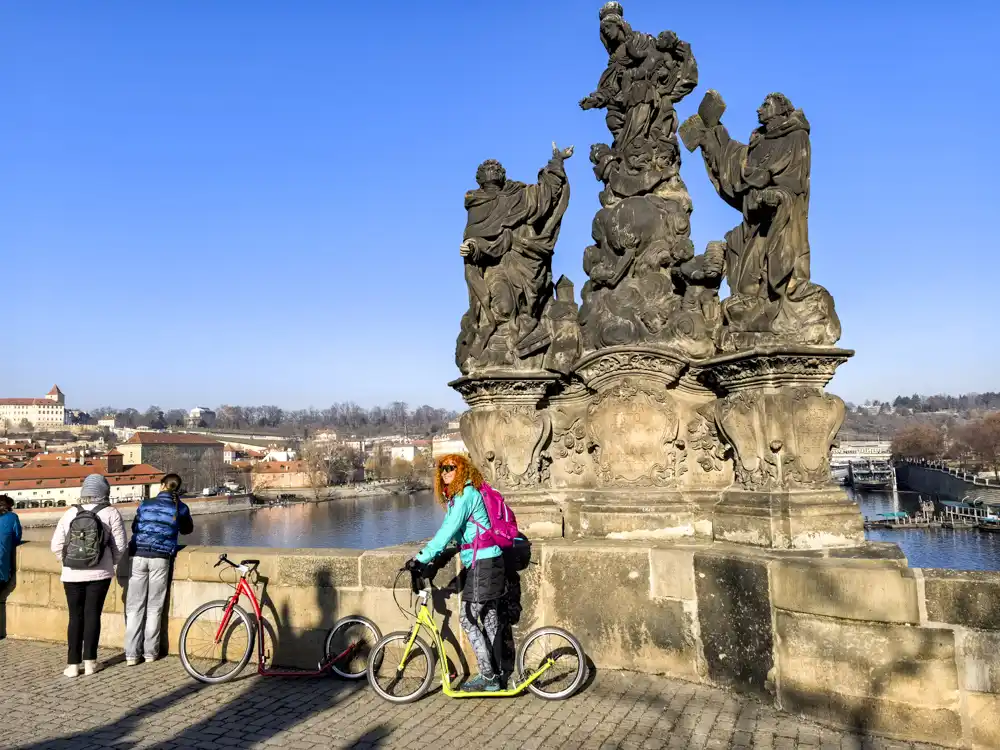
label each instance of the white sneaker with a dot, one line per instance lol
(132, 662)
(150, 658)
(90, 667)
(72, 670)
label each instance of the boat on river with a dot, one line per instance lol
(902, 520)
(839, 474)
(990, 524)
(894, 520)
(866, 474)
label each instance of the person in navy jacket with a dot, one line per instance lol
(155, 528)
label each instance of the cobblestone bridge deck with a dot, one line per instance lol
(159, 706)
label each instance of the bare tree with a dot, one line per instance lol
(316, 459)
(984, 438)
(921, 441)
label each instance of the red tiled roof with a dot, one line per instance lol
(55, 391)
(115, 452)
(170, 438)
(279, 467)
(44, 476)
(27, 402)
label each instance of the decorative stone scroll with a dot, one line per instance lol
(632, 429)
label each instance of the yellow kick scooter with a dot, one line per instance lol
(550, 662)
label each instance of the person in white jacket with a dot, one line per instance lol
(86, 588)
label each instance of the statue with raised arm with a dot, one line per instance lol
(507, 248)
(767, 256)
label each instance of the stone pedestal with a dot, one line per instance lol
(507, 431)
(781, 425)
(658, 464)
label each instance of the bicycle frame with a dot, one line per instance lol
(426, 620)
(243, 587)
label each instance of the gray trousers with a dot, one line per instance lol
(147, 591)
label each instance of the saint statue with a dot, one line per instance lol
(508, 244)
(767, 255)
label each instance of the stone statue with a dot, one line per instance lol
(767, 255)
(645, 77)
(642, 234)
(507, 248)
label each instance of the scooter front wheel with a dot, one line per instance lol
(394, 679)
(216, 642)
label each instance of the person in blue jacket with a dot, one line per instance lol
(10, 537)
(155, 527)
(456, 484)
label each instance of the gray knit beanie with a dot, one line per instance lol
(96, 486)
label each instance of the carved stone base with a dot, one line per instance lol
(621, 514)
(781, 425)
(504, 429)
(810, 519)
(540, 514)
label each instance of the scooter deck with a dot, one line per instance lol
(507, 693)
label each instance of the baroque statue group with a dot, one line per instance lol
(655, 407)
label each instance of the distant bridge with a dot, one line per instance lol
(860, 450)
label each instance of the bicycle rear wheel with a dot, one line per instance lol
(352, 639)
(395, 683)
(569, 668)
(216, 646)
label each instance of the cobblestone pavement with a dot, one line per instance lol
(158, 706)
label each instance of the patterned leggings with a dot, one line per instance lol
(480, 622)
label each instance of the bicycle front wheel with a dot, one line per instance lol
(569, 664)
(216, 642)
(392, 678)
(348, 645)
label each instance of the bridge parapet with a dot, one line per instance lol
(850, 637)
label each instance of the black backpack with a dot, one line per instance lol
(85, 541)
(517, 556)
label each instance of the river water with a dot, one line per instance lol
(352, 523)
(385, 520)
(930, 548)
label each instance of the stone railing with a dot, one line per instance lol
(847, 637)
(967, 476)
(938, 479)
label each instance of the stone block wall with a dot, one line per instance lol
(849, 637)
(933, 481)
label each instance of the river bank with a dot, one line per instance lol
(200, 506)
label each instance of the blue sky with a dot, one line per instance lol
(258, 202)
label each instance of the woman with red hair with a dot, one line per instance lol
(456, 485)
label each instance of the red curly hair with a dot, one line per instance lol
(465, 472)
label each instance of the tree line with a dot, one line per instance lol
(347, 417)
(917, 404)
(974, 445)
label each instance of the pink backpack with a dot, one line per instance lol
(503, 525)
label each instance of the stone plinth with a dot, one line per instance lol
(781, 425)
(507, 432)
(625, 446)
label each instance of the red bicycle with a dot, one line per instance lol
(217, 639)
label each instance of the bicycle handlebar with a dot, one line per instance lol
(245, 566)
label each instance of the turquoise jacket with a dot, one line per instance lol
(457, 526)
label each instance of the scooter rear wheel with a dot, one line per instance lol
(568, 672)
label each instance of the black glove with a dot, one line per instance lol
(418, 568)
